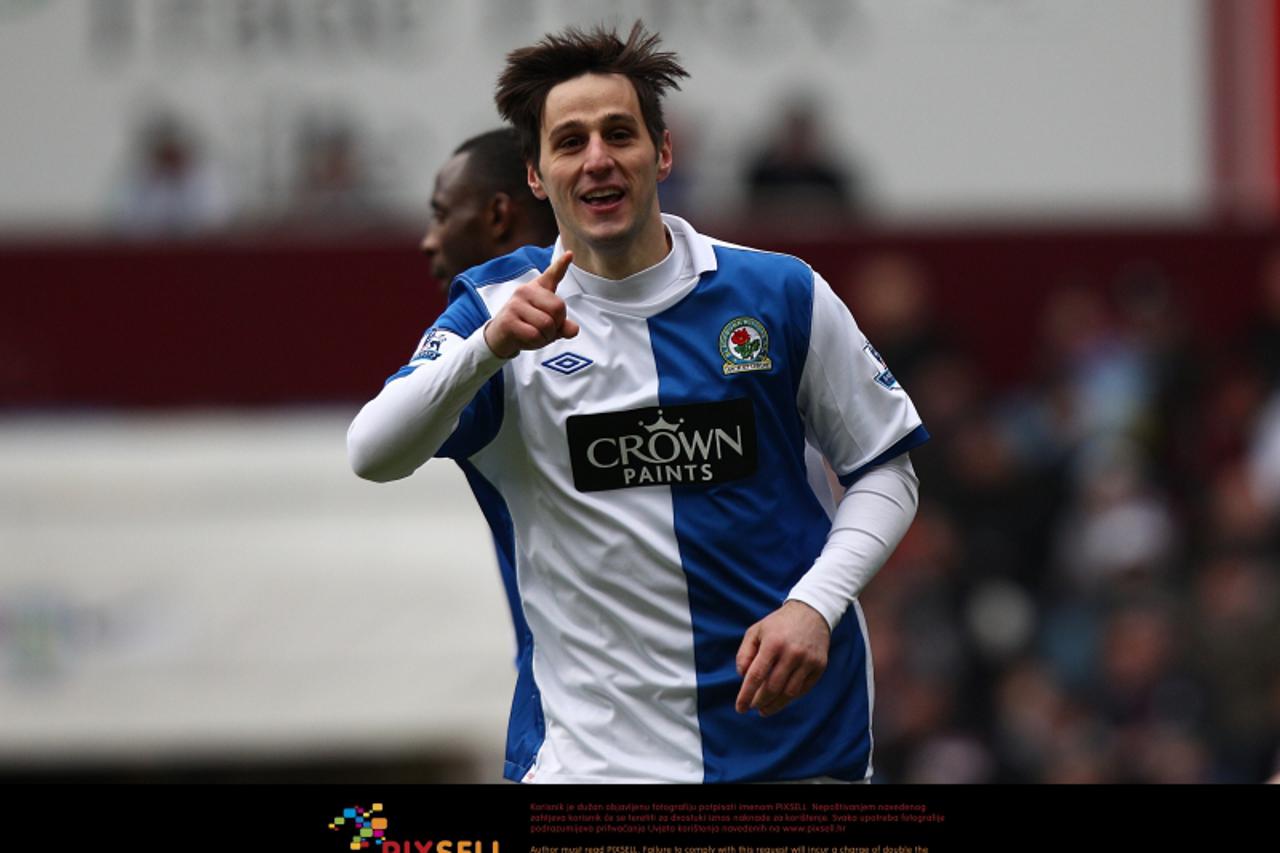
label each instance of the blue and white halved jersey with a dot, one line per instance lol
(653, 491)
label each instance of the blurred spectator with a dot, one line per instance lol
(1264, 338)
(171, 189)
(1104, 370)
(1031, 712)
(334, 188)
(1139, 655)
(947, 391)
(1005, 510)
(1117, 523)
(889, 294)
(1264, 459)
(1236, 518)
(950, 758)
(676, 194)
(1234, 648)
(1001, 619)
(1262, 452)
(1272, 731)
(1166, 754)
(795, 182)
(1153, 321)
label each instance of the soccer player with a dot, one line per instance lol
(639, 410)
(482, 207)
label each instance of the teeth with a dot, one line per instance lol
(594, 196)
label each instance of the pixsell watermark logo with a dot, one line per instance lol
(367, 826)
(368, 829)
(694, 444)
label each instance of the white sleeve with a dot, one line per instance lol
(870, 521)
(864, 423)
(418, 409)
(854, 410)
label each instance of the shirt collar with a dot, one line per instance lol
(643, 287)
(702, 254)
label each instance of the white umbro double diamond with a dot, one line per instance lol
(567, 363)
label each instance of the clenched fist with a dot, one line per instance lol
(534, 316)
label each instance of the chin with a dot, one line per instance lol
(609, 235)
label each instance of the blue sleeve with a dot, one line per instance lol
(482, 418)
(480, 421)
(466, 311)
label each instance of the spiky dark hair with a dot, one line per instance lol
(532, 72)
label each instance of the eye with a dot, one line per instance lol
(620, 134)
(568, 141)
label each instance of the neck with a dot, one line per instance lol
(649, 248)
(523, 238)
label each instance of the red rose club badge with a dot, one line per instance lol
(744, 343)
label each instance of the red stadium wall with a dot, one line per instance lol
(218, 323)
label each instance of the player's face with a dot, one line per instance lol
(597, 163)
(458, 237)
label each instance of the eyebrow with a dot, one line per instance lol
(577, 124)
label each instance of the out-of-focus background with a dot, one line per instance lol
(1057, 221)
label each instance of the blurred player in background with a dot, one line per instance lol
(482, 207)
(633, 409)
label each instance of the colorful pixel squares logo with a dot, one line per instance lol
(366, 825)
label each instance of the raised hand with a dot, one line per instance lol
(534, 316)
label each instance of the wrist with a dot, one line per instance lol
(811, 610)
(495, 346)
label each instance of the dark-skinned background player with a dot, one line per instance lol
(482, 207)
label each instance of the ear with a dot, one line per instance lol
(664, 156)
(499, 215)
(535, 182)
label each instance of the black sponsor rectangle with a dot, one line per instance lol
(693, 444)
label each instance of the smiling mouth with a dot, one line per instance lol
(602, 198)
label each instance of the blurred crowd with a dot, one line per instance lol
(325, 172)
(1091, 589)
(322, 181)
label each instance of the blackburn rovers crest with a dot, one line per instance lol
(744, 344)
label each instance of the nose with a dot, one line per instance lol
(598, 157)
(430, 244)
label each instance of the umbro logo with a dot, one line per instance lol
(567, 363)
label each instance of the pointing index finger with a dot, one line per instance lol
(551, 278)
